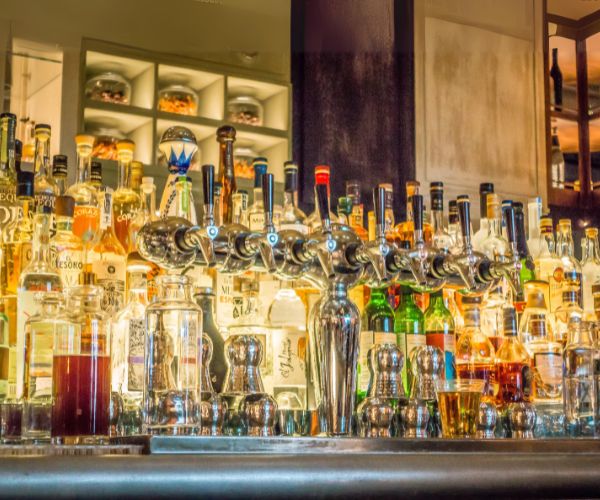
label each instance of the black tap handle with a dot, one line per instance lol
(208, 183)
(379, 206)
(464, 216)
(509, 219)
(322, 201)
(417, 206)
(267, 192)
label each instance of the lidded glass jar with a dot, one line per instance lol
(243, 156)
(244, 107)
(81, 368)
(179, 99)
(106, 138)
(108, 87)
(173, 359)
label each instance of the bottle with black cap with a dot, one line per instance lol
(96, 175)
(485, 188)
(59, 171)
(66, 247)
(441, 239)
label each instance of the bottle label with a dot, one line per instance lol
(256, 221)
(224, 299)
(45, 200)
(69, 264)
(367, 338)
(110, 275)
(289, 355)
(106, 214)
(27, 306)
(548, 366)
(135, 359)
(86, 220)
(9, 210)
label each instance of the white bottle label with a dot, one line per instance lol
(366, 341)
(289, 354)
(256, 221)
(110, 275)
(69, 265)
(224, 300)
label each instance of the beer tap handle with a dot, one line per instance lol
(322, 202)
(208, 194)
(464, 217)
(325, 247)
(513, 268)
(417, 206)
(379, 208)
(509, 219)
(269, 238)
(267, 192)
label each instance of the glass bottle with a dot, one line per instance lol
(485, 188)
(108, 259)
(557, 81)
(86, 215)
(66, 248)
(96, 178)
(128, 341)
(535, 243)
(570, 268)
(406, 229)
(292, 218)
(537, 336)
(546, 263)
(377, 327)
(492, 309)
(409, 326)
(495, 246)
(226, 176)
(205, 298)
(440, 332)
(45, 188)
(568, 312)
(579, 391)
(287, 318)
(40, 331)
(557, 161)
(9, 208)
(454, 227)
(527, 265)
(590, 267)
(172, 359)
(126, 202)
(513, 364)
(344, 210)
(322, 176)
(356, 219)
(136, 176)
(475, 353)
(60, 170)
(440, 239)
(81, 369)
(217, 210)
(256, 212)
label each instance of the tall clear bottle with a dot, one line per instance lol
(172, 359)
(126, 202)
(292, 217)
(439, 331)
(590, 268)
(536, 244)
(226, 175)
(256, 212)
(547, 262)
(441, 239)
(495, 246)
(45, 188)
(60, 172)
(568, 312)
(485, 188)
(570, 268)
(66, 247)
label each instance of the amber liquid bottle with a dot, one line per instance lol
(126, 202)
(406, 229)
(226, 138)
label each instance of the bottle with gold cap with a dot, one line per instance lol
(65, 246)
(406, 229)
(546, 262)
(126, 202)
(590, 268)
(569, 272)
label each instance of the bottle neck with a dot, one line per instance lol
(149, 203)
(589, 249)
(41, 238)
(290, 198)
(580, 334)
(495, 227)
(42, 157)
(565, 244)
(124, 172)
(172, 287)
(7, 148)
(437, 221)
(257, 200)
(534, 212)
(138, 288)
(378, 294)
(437, 302)
(106, 215)
(407, 299)
(226, 160)
(554, 57)
(64, 224)
(472, 317)
(84, 162)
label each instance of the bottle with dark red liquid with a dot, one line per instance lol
(81, 369)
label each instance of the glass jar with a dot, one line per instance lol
(108, 87)
(173, 359)
(105, 144)
(178, 99)
(244, 108)
(81, 369)
(243, 156)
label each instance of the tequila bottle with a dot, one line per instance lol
(108, 260)
(439, 331)
(440, 239)
(547, 262)
(86, 214)
(377, 327)
(356, 218)
(9, 209)
(45, 188)
(409, 326)
(292, 217)
(590, 267)
(484, 226)
(495, 246)
(568, 312)
(475, 353)
(256, 213)
(226, 176)
(60, 171)
(126, 202)
(66, 248)
(569, 272)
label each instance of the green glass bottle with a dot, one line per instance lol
(439, 331)
(377, 328)
(409, 326)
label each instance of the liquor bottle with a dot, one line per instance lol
(485, 188)
(570, 268)
(568, 312)
(454, 227)
(409, 326)
(527, 265)
(256, 212)
(40, 275)
(495, 246)
(406, 229)
(590, 267)
(557, 162)
(205, 298)
(377, 327)
(356, 219)
(86, 215)
(126, 202)
(65, 246)
(9, 208)
(322, 176)
(513, 364)
(557, 81)
(172, 359)
(292, 217)
(128, 339)
(492, 313)
(344, 210)
(45, 188)
(579, 385)
(96, 178)
(108, 260)
(135, 177)
(287, 319)
(81, 369)
(537, 336)
(475, 353)
(226, 177)
(535, 243)
(440, 239)
(547, 262)
(60, 171)
(40, 332)
(440, 331)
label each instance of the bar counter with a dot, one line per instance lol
(314, 467)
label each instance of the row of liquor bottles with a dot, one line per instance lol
(93, 240)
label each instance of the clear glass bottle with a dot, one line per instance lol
(454, 227)
(475, 354)
(547, 262)
(495, 246)
(81, 369)
(292, 217)
(537, 336)
(570, 268)
(86, 215)
(536, 244)
(568, 312)
(357, 219)
(66, 247)
(492, 312)
(45, 188)
(256, 212)
(126, 202)
(478, 238)
(441, 239)
(40, 331)
(590, 267)
(60, 171)
(440, 331)
(172, 359)
(579, 391)
(108, 260)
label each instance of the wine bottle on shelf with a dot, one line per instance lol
(557, 81)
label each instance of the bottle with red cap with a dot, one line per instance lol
(322, 176)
